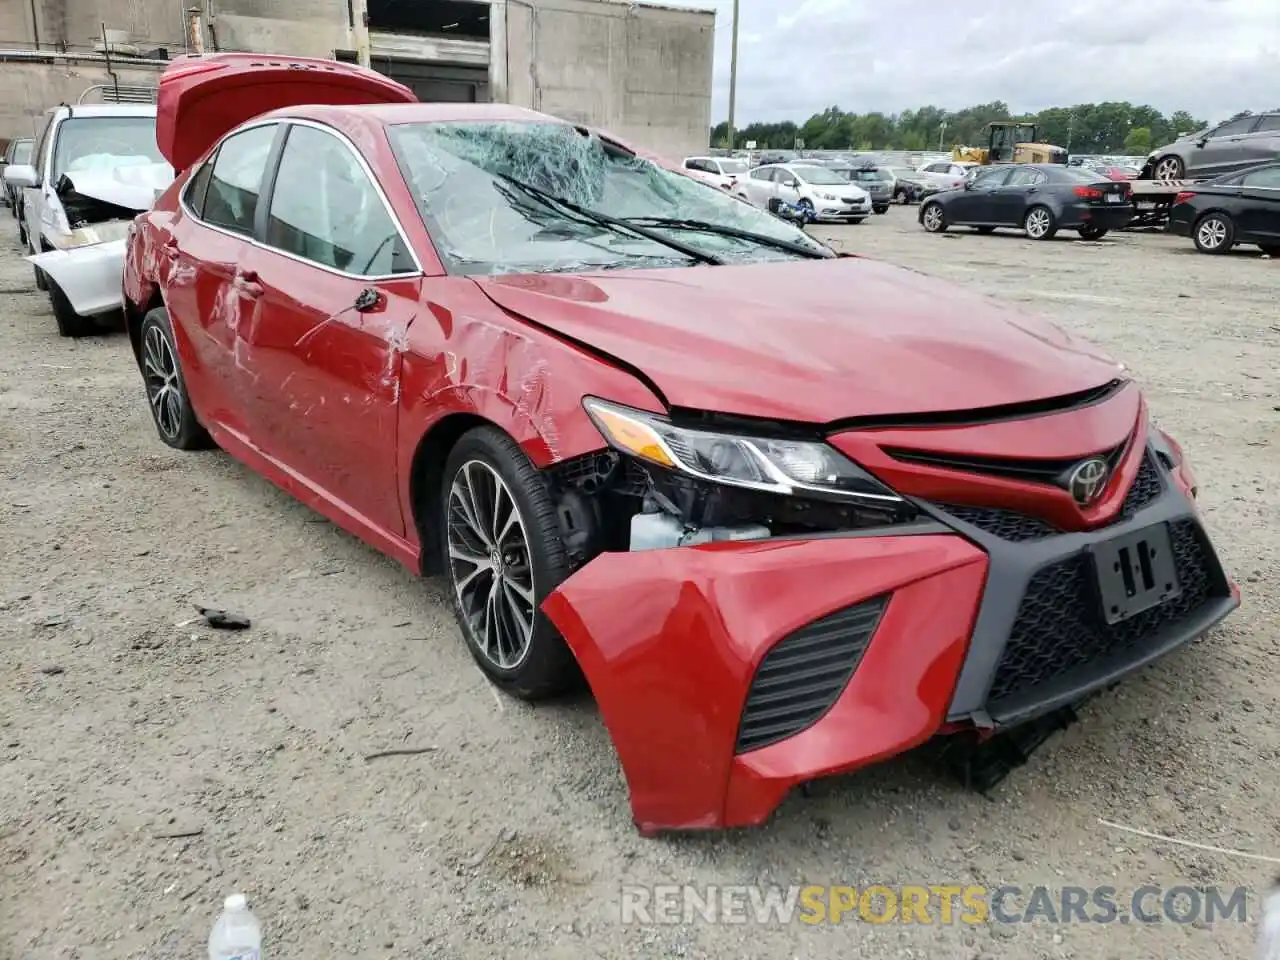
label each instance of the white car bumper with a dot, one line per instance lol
(838, 210)
(89, 276)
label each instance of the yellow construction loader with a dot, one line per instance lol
(1010, 142)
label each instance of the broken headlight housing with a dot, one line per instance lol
(784, 467)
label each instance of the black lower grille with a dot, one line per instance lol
(805, 673)
(1146, 487)
(1004, 524)
(1058, 629)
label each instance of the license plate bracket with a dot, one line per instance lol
(1134, 572)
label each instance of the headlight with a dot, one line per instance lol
(771, 465)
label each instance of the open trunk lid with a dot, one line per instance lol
(202, 97)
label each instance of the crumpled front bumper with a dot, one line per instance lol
(960, 624)
(89, 276)
(669, 641)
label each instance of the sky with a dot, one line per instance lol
(797, 57)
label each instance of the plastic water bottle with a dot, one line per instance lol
(236, 934)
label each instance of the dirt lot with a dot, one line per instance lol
(512, 836)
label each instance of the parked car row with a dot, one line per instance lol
(1042, 199)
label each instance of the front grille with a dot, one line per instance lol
(1146, 487)
(1058, 629)
(1020, 528)
(805, 673)
(1049, 472)
(1004, 524)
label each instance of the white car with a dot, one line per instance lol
(827, 193)
(717, 171)
(93, 169)
(945, 174)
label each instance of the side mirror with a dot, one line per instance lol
(21, 175)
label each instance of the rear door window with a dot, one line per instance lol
(1235, 128)
(1268, 179)
(197, 187)
(1269, 124)
(325, 208)
(235, 181)
(1025, 177)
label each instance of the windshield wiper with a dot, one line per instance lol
(613, 223)
(679, 223)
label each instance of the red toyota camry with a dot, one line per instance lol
(788, 513)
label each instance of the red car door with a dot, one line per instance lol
(320, 361)
(206, 249)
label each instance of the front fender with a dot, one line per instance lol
(88, 276)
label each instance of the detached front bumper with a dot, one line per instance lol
(89, 276)
(729, 673)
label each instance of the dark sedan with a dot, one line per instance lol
(1040, 198)
(1238, 208)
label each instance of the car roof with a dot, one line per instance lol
(391, 114)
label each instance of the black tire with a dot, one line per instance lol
(42, 279)
(933, 217)
(70, 323)
(178, 426)
(545, 666)
(22, 233)
(1270, 250)
(1092, 233)
(883, 208)
(985, 230)
(1214, 233)
(1040, 223)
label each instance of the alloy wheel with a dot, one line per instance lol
(160, 373)
(1212, 233)
(933, 218)
(491, 565)
(1037, 224)
(1170, 168)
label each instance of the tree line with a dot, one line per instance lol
(1088, 128)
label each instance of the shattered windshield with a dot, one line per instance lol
(89, 143)
(462, 174)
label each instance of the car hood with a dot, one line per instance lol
(811, 341)
(132, 186)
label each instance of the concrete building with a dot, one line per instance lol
(641, 70)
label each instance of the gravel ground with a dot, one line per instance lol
(511, 836)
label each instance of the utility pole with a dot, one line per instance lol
(733, 74)
(360, 31)
(942, 132)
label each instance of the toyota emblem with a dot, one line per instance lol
(1087, 480)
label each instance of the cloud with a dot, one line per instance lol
(797, 57)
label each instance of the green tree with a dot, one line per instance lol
(1138, 142)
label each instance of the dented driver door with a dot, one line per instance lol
(321, 361)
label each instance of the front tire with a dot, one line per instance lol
(1039, 223)
(934, 218)
(171, 409)
(503, 554)
(1169, 168)
(70, 323)
(883, 208)
(1214, 233)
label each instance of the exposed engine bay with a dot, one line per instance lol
(608, 501)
